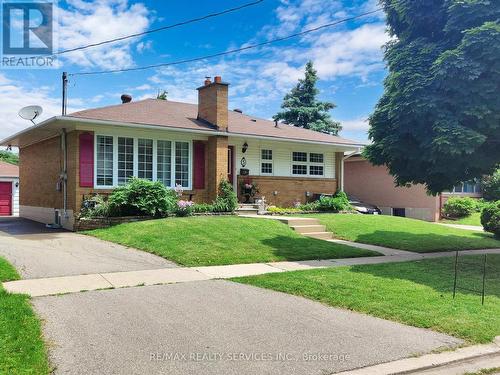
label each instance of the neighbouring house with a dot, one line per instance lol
(374, 185)
(9, 189)
(66, 158)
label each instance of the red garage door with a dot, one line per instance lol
(5, 198)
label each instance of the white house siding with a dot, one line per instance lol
(282, 156)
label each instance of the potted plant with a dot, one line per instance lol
(248, 190)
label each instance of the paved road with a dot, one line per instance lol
(39, 252)
(239, 329)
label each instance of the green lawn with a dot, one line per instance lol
(212, 240)
(418, 293)
(22, 349)
(405, 234)
(474, 219)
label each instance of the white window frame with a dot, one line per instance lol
(115, 161)
(307, 164)
(476, 192)
(155, 140)
(153, 143)
(118, 152)
(190, 163)
(172, 161)
(267, 161)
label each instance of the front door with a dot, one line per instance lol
(230, 164)
(5, 198)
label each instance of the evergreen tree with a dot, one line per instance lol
(302, 109)
(438, 121)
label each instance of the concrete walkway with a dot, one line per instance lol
(72, 284)
(457, 362)
(36, 252)
(465, 227)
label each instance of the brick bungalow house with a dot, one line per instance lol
(65, 158)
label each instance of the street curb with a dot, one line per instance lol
(429, 361)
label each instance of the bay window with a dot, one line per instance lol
(117, 159)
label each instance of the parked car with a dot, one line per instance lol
(362, 207)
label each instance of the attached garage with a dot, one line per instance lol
(9, 189)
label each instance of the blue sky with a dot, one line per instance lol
(348, 57)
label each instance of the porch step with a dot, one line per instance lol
(248, 205)
(308, 228)
(247, 211)
(297, 222)
(319, 235)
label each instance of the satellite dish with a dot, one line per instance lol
(30, 112)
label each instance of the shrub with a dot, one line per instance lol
(143, 197)
(459, 207)
(95, 206)
(226, 201)
(490, 218)
(490, 186)
(184, 208)
(339, 202)
(480, 204)
(311, 206)
(202, 208)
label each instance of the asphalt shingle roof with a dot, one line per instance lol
(171, 114)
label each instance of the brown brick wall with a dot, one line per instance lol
(40, 166)
(213, 104)
(217, 164)
(290, 189)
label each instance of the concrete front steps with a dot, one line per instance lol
(308, 227)
(247, 209)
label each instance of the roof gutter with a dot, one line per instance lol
(171, 128)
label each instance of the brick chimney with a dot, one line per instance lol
(213, 103)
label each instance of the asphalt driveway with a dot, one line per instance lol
(38, 252)
(217, 327)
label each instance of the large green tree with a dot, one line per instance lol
(9, 157)
(301, 107)
(438, 121)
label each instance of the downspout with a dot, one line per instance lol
(357, 151)
(64, 173)
(65, 146)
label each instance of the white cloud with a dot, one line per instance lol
(15, 96)
(86, 22)
(143, 87)
(357, 124)
(144, 46)
(356, 52)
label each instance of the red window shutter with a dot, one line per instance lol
(86, 160)
(199, 165)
